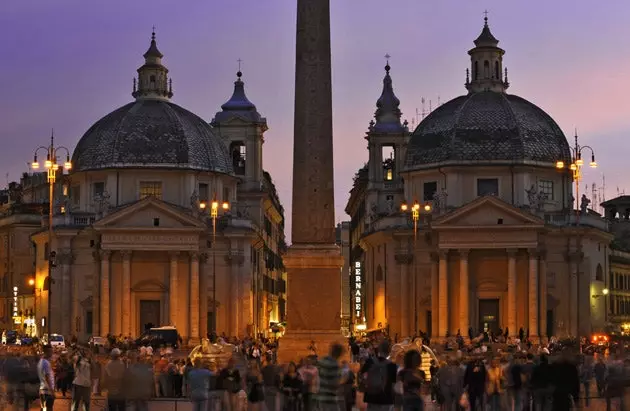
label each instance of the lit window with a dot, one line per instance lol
(150, 189)
(546, 187)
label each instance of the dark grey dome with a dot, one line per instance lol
(151, 133)
(487, 128)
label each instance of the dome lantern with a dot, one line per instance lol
(153, 81)
(486, 63)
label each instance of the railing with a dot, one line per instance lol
(587, 220)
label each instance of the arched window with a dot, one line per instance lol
(497, 74)
(475, 70)
(379, 273)
(486, 69)
(599, 273)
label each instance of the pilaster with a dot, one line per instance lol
(511, 300)
(404, 258)
(194, 299)
(464, 315)
(533, 294)
(105, 292)
(443, 293)
(435, 294)
(126, 292)
(542, 278)
(173, 308)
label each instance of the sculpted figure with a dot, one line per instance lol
(532, 195)
(584, 203)
(194, 201)
(105, 204)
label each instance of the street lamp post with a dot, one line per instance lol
(415, 217)
(575, 166)
(214, 214)
(52, 168)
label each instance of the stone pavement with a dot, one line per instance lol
(99, 404)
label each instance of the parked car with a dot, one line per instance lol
(55, 340)
(9, 337)
(97, 342)
(158, 337)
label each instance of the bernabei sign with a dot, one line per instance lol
(358, 290)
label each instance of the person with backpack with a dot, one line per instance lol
(380, 376)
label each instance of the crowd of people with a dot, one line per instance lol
(363, 374)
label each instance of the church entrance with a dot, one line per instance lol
(489, 315)
(149, 314)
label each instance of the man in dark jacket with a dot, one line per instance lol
(379, 376)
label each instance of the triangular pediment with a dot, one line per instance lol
(487, 211)
(150, 213)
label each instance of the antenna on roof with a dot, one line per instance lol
(424, 111)
(439, 104)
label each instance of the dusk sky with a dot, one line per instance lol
(67, 63)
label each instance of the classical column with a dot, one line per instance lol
(511, 300)
(172, 290)
(464, 318)
(435, 295)
(542, 279)
(126, 292)
(76, 325)
(403, 258)
(533, 294)
(203, 296)
(573, 293)
(194, 298)
(104, 307)
(96, 294)
(443, 293)
(65, 313)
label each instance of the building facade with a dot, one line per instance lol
(165, 219)
(465, 224)
(617, 213)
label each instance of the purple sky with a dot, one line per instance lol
(67, 63)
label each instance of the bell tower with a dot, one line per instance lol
(242, 127)
(486, 59)
(387, 143)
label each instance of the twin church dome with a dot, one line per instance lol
(152, 132)
(485, 127)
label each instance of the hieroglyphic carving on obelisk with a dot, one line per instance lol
(313, 261)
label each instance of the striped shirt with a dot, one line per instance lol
(329, 381)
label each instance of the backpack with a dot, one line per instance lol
(376, 381)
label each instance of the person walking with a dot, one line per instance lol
(412, 380)
(46, 380)
(380, 377)
(114, 377)
(329, 396)
(82, 383)
(199, 386)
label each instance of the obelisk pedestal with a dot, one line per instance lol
(313, 261)
(314, 303)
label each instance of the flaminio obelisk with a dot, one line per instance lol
(313, 261)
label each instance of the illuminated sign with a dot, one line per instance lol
(15, 302)
(358, 291)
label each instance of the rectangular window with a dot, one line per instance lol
(204, 192)
(226, 194)
(98, 189)
(487, 187)
(429, 188)
(150, 189)
(546, 187)
(88, 322)
(75, 195)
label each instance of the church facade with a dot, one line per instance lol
(465, 224)
(164, 219)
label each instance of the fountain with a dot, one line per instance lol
(218, 353)
(426, 353)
